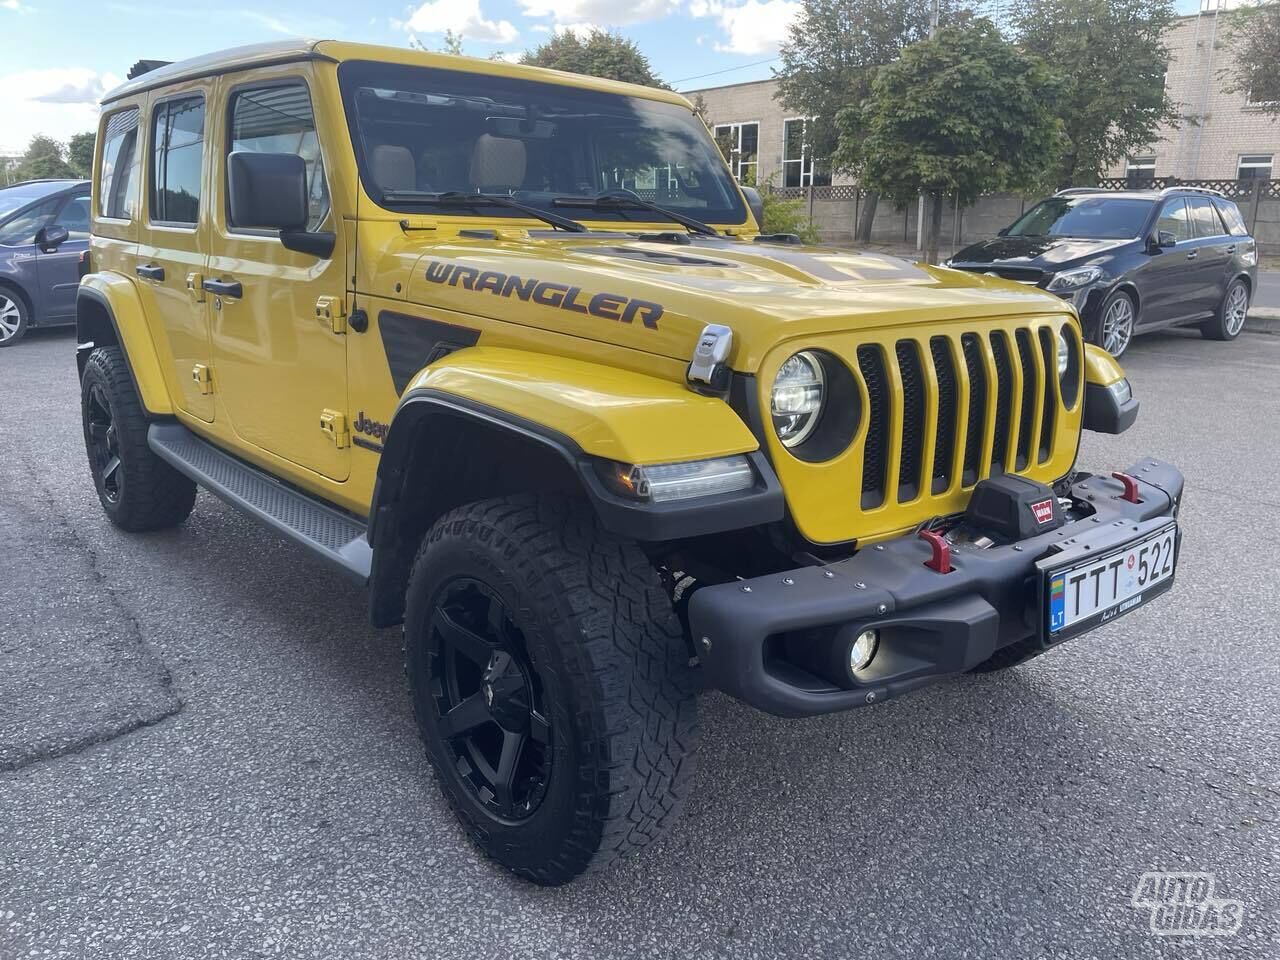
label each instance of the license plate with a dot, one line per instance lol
(1096, 591)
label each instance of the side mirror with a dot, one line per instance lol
(756, 204)
(1002, 232)
(1162, 240)
(268, 191)
(51, 237)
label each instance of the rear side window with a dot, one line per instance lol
(278, 119)
(1205, 217)
(74, 215)
(1173, 219)
(118, 179)
(177, 154)
(1232, 218)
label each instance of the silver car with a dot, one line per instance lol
(44, 238)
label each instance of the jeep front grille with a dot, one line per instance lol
(940, 411)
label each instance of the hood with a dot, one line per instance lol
(657, 296)
(1044, 253)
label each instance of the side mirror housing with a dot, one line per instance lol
(1002, 232)
(756, 204)
(51, 237)
(1162, 240)
(268, 191)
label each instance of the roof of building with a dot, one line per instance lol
(337, 51)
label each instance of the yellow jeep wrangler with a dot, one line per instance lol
(508, 346)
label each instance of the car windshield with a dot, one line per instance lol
(428, 131)
(20, 194)
(1092, 218)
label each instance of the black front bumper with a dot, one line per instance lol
(758, 639)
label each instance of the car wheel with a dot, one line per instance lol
(1229, 320)
(1116, 322)
(13, 317)
(551, 685)
(137, 489)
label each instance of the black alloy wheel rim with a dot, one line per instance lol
(104, 444)
(488, 700)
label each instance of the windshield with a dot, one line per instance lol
(20, 194)
(1091, 218)
(429, 131)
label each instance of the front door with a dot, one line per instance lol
(59, 267)
(279, 370)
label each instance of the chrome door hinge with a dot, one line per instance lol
(334, 426)
(203, 378)
(332, 312)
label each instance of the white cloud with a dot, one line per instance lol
(56, 102)
(609, 13)
(15, 6)
(750, 27)
(463, 17)
(268, 22)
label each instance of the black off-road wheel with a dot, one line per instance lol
(551, 685)
(1228, 322)
(137, 489)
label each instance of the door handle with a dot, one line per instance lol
(225, 288)
(1231, 248)
(151, 271)
(1193, 254)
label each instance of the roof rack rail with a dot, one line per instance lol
(1071, 191)
(145, 66)
(1206, 190)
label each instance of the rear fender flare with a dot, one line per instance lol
(109, 313)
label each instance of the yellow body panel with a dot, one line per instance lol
(611, 379)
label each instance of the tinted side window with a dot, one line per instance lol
(22, 228)
(75, 217)
(278, 119)
(1173, 219)
(1232, 218)
(1205, 217)
(118, 179)
(177, 152)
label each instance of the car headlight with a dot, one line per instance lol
(1064, 353)
(798, 393)
(1075, 279)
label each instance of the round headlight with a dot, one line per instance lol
(798, 392)
(1064, 354)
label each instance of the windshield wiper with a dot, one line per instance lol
(625, 200)
(456, 198)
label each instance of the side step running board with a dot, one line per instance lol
(327, 532)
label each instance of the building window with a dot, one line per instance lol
(1254, 167)
(799, 168)
(740, 144)
(1140, 169)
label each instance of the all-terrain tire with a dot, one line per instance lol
(605, 657)
(137, 489)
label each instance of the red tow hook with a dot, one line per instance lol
(1130, 487)
(941, 559)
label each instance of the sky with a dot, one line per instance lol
(60, 56)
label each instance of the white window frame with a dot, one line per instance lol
(1252, 161)
(806, 155)
(736, 163)
(1136, 165)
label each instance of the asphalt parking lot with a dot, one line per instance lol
(204, 751)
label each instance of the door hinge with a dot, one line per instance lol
(195, 287)
(332, 312)
(334, 426)
(203, 378)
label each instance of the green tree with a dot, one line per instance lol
(80, 153)
(600, 55)
(1253, 39)
(962, 114)
(44, 160)
(831, 52)
(1112, 59)
(452, 44)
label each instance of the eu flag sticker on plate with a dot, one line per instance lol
(1057, 604)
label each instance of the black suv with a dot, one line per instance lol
(1131, 262)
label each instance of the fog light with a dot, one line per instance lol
(863, 649)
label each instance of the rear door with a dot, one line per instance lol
(1213, 260)
(59, 268)
(1167, 284)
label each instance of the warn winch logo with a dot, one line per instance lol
(1043, 511)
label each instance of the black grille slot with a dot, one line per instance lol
(1004, 393)
(1048, 350)
(875, 450)
(944, 445)
(972, 347)
(911, 461)
(1029, 388)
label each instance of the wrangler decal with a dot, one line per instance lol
(609, 306)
